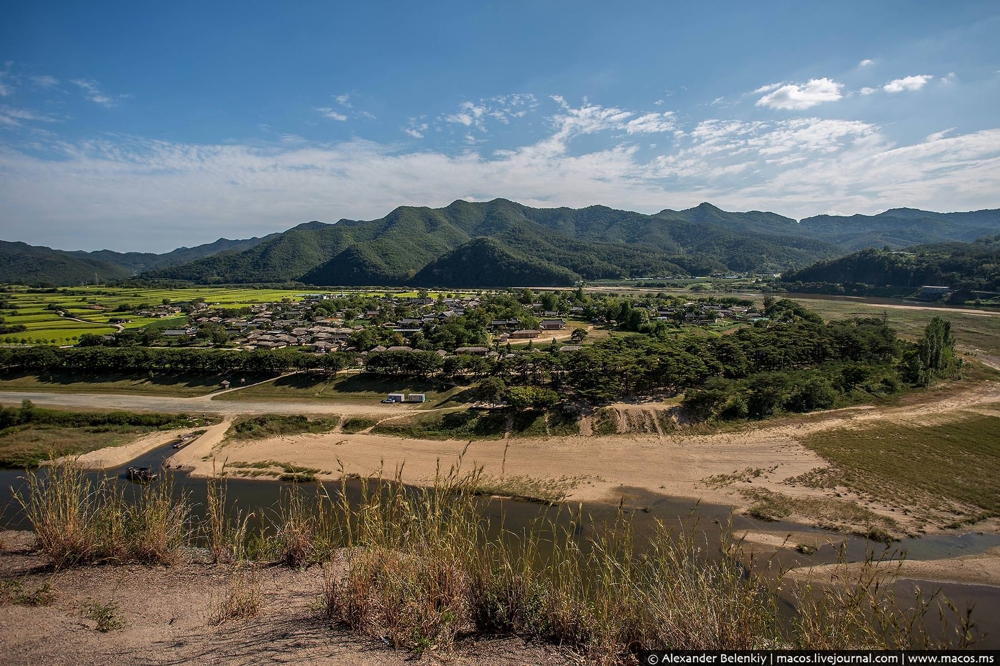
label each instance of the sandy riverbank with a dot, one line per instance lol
(710, 467)
(977, 569)
(116, 456)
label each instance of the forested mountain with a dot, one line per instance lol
(550, 246)
(965, 267)
(42, 266)
(37, 265)
(562, 245)
(901, 227)
(138, 262)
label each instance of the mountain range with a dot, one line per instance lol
(502, 243)
(37, 265)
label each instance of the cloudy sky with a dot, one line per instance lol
(144, 126)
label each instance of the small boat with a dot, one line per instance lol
(141, 474)
(183, 441)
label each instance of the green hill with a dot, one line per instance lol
(36, 265)
(555, 244)
(902, 227)
(964, 267)
(39, 266)
(486, 262)
(138, 262)
(590, 243)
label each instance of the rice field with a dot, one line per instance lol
(92, 309)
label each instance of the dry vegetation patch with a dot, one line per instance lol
(950, 470)
(838, 514)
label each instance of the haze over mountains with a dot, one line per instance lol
(502, 243)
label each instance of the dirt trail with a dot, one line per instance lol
(676, 464)
(200, 448)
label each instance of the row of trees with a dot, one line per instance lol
(142, 360)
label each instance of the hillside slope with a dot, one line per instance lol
(42, 266)
(965, 267)
(589, 243)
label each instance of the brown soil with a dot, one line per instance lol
(166, 613)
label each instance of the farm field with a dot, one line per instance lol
(974, 331)
(91, 309)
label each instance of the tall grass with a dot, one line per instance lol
(419, 567)
(78, 520)
(422, 566)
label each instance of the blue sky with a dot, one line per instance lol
(144, 126)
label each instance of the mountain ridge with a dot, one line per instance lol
(412, 244)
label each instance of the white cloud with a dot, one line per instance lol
(344, 100)
(502, 108)
(651, 123)
(6, 88)
(330, 113)
(868, 91)
(866, 62)
(10, 117)
(92, 91)
(469, 114)
(937, 136)
(416, 128)
(907, 83)
(133, 193)
(44, 81)
(768, 88)
(795, 97)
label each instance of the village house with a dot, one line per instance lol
(475, 351)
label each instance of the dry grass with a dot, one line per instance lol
(77, 520)
(242, 598)
(836, 514)
(545, 491)
(421, 566)
(950, 468)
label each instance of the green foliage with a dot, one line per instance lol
(501, 243)
(141, 360)
(278, 425)
(108, 616)
(464, 424)
(530, 397)
(965, 267)
(934, 355)
(29, 435)
(357, 424)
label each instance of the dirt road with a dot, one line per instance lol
(201, 404)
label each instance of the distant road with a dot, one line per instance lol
(200, 404)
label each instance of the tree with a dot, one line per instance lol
(550, 301)
(530, 397)
(491, 390)
(578, 335)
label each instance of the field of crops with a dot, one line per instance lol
(91, 309)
